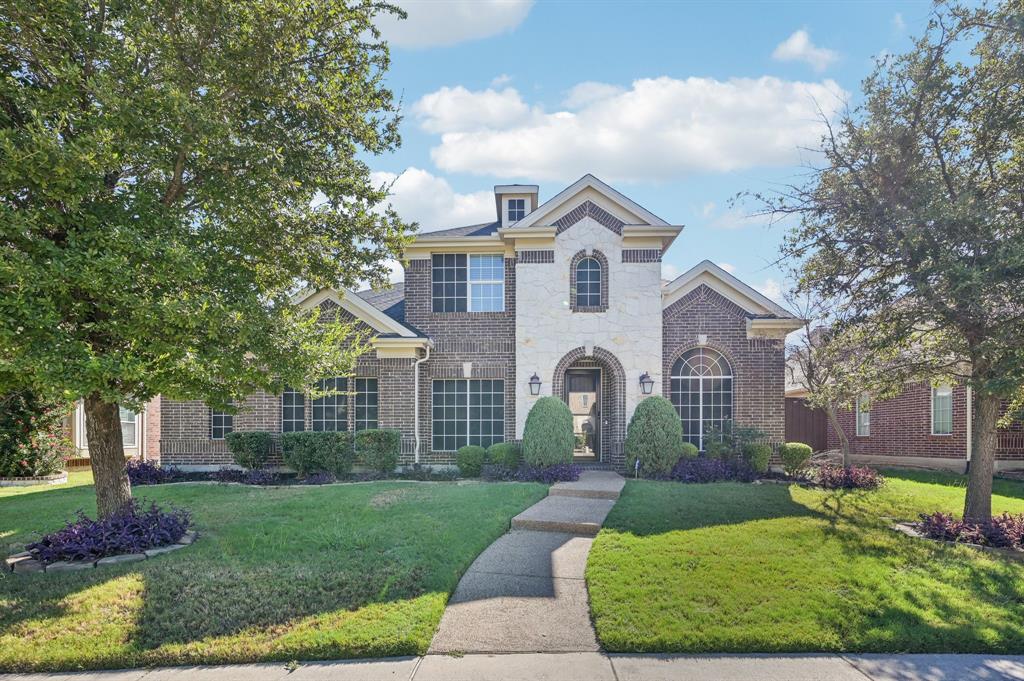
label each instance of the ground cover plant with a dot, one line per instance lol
(847, 477)
(561, 472)
(282, 573)
(1003, 531)
(730, 567)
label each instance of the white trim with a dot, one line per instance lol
(588, 181)
(81, 441)
(355, 306)
(470, 282)
(707, 272)
(934, 388)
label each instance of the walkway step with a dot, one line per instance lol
(591, 485)
(569, 514)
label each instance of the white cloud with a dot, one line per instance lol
(669, 271)
(735, 218)
(456, 108)
(659, 129)
(589, 92)
(448, 22)
(898, 22)
(728, 267)
(798, 47)
(429, 200)
(708, 208)
(771, 288)
(503, 79)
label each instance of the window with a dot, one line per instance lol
(942, 410)
(863, 416)
(467, 412)
(221, 423)
(366, 403)
(474, 283)
(129, 427)
(330, 412)
(588, 283)
(701, 392)
(293, 411)
(516, 210)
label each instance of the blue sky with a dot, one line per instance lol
(678, 105)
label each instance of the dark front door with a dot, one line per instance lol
(583, 395)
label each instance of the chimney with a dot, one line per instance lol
(514, 202)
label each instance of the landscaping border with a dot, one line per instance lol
(24, 563)
(910, 529)
(54, 479)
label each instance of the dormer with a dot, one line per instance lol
(514, 202)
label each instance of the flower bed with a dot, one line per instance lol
(563, 472)
(53, 479)
(850, 477)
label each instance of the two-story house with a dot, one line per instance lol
(558, 298)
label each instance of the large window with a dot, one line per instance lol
(293, 411)
(701, 391)
(588, 283)
(942, 410)
(863, 416)
(221, 423)
(330, 412)
(461, 283)
(366, 403)
(467, 412)
(516, 210)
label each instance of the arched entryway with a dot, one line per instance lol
(594, 387)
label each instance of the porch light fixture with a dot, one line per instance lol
(535, 384)
(646, 383)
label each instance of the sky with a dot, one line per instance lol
(679, 105)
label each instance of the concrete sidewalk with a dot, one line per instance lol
(594, 667)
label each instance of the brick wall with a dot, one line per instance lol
(152, 435)
(758, 364)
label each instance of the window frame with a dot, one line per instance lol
(600, 283)
(520, 209)
(338, 401)
(720, 384)
(361, 383)
(301, 405)
(227, 425)
(472, 283)
(449, 412)
(862, 418)
(934, 393)
(458, 272)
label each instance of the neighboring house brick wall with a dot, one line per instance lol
(758, 364)
(151, 436)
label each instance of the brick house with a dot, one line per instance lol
(561, 298)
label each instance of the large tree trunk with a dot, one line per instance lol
(106, 455)
(844, 442)
(978, 507)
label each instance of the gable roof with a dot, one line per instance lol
(714, 277)
(390, 301)
(547, 209)
(483, 229)
(362, 309)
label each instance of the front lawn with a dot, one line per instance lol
(732, 567)
(359, 570)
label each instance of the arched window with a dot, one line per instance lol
(588, 283)
(702, 393)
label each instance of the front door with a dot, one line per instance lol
(583, 395)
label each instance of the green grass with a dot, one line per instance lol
(337, 571)
(770, 568)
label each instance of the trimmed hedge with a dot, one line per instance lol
(654, 437)
(504, 454)
(250, 449)
(470, 459)
(547, 437)
(309, 452)
(795, 457)
(758, 454)
(378, 448)
(690, 451)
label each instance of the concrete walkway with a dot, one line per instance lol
(594, 667)
(526, 592)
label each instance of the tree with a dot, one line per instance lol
(170, 174)
(916, 217)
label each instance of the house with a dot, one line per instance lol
(140, 432)
(558, 298)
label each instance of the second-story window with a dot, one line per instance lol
(588, 283)
(516, 210)
(467, 283)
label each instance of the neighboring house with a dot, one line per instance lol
(140, 432)
(562, 298)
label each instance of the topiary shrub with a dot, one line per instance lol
(795, 457)
(690, 451)
(470, 459)
(378, 449)
(505, 454)
(318, 452)
(547, 436)
(250, 449)
(654, 437)
(757, 454)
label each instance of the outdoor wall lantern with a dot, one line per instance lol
(646, 383)
(535, 384)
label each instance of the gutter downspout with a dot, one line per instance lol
(416, 401)
(970, 428)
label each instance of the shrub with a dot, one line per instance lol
(258, 476)
(705, 469)
(132, 529)
(32, 440)
(795, 457)
(250, 449)
(1001, 531)
(562, 472)
(470, 459)
(148, 473)
(690, 451)
(718, 444)
(547, 436)
(852, 477)
(318, 452)
(319, 478)
(504, 454)
(654, 437)
(757, 454)
(378, 448)
(421, 472)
